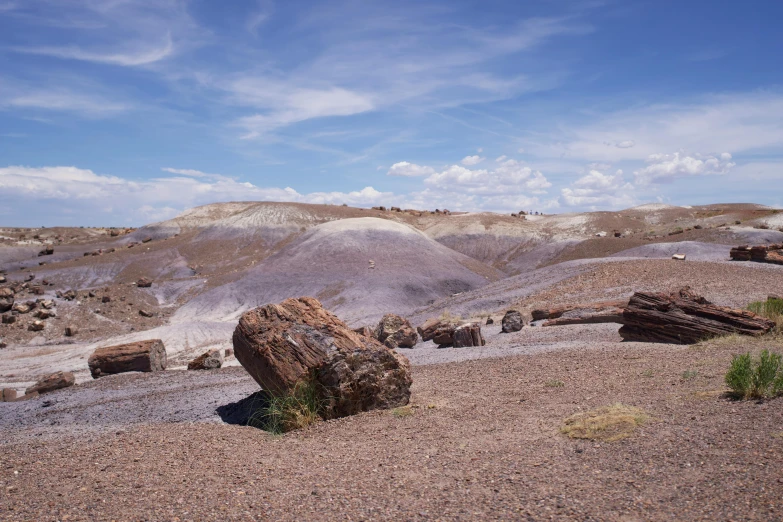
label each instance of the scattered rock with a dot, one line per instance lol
(46, 251)
(281, 345)
(396, 332)
(3, 279)
(490, 321)
(105, 299)
(6, 299)
(145, 313)
(697, 227)
(229, 352)
(29, 278)
(8, 395)
(36, 326)
(467, 335)
(679, 257)
(207, 361)
(21, 308)
(439, 331)
(71, 331)
(146, 240)
(47, 304)
(685, 318)
(9, 319)
(365, 331)
(512, 321)
(144, 282)
(44, 314)
(52, 382)
(141, 356)
(69, 295)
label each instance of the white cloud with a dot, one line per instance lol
(597, 190)
(283, 105)
(501, 159)
(479, 150)
(403, 168)
(472, 160)
(127, 58)
(509, 179)
(91, 105)
(664, 168)
(83, 191)
(625, 144)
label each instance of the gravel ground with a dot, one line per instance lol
(481, 442)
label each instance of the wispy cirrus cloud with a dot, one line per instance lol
(126, 57)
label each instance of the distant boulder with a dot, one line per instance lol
(209, 360)
(512, 321)
(6, 299)
(396, 332)
(144, 282)
(467, 335)
(140, 356)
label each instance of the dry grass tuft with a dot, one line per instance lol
(447, 316)
(403, 411)
(606, 424)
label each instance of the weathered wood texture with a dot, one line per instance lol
(685, 318)
(142, 356)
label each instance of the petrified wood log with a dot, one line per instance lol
(554, 313)
(760, 253)
(52, 382)
(142, 356)
(467, 335)
(685, 318)
(614, 315)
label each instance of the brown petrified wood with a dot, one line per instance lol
(685, 318)
(141, 356)
(467, 335)
(558, 311)
(614, 315)
(298, 340)
(52, 382)
(760, 253)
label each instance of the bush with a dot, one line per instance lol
(760, 379)
(294, 409)
(607, 424)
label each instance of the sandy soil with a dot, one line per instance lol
(481, 441)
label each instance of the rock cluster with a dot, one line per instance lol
(555, 312)
(297, 340)
(760, 253)
(446, 333)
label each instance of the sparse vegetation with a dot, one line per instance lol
(294, 409)
(756, 379)
(554, 383)
(771, 309)
(606, 424)
(688, 375)
(648, 373)
(447, 316)
(403, 411)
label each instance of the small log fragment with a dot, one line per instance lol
(142, 356)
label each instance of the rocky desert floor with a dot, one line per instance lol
(481, 438)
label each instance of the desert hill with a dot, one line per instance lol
(211, 263)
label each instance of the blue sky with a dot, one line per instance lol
(119, 112)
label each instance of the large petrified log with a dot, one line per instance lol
(282, 345)
(760, 253)
(444, 332)
(141, 356)
(557, 311)
(685, 318)
(467, 335)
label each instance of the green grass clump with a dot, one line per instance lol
(756, 379)
(771, 309)
(293, 409)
